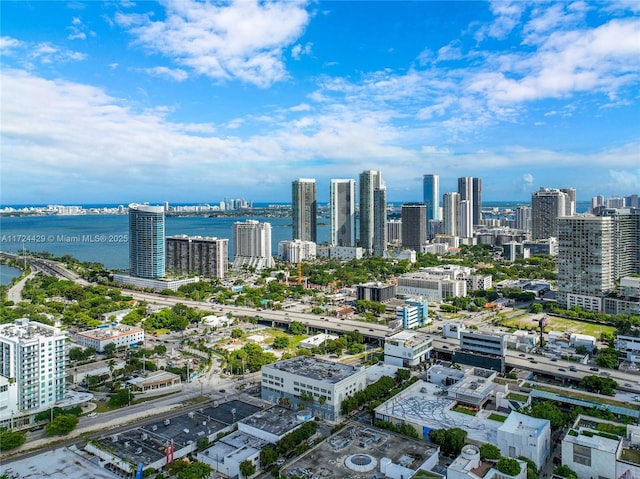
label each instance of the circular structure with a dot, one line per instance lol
(361, 462)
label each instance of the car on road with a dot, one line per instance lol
(573, 368)
(554, 360)
(522, 355)
(605, 373)
(92, 414)
(561, 369)
(594, 369)
(533, 361)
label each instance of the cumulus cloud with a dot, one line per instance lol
(238, 40)
(175, 74)
(299, 50)
(27, 53)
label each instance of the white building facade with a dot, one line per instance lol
(33, 364)
(120, 335)
(305, 377)
(252, 245)
(522, 435)
(407, 349)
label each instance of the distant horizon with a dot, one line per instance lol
(213, 203)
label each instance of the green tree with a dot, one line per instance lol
(490, 451)
(110, 349)
(599, 385)
(508, 466)
(535, 308)
(450, 441)
(247, 468)
(281, 342)
(194, 470)
(607, 358)
(61, 425)
(236, 333)
(11, 439)
(122, 397)
(548, 410)
(297, 328)
(268, 456)
(565, 471)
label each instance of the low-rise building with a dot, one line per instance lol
(469, 465)
(155, 381)
(598, 448)
(483, 349)
(522, 435)
(316, 341)
(313, 383)
(97, 368)
(157, 284)
(413, 314)
(407, 349)
(120, 335)
(629, 347)
(376, 291)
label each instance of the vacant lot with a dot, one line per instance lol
(530, 321)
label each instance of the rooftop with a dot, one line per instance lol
(357, 451)
(26, 329)
(110, 332)
(315, 368)
(63, 463)
(276, 420)
(409, 338)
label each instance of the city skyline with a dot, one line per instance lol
(181, 99)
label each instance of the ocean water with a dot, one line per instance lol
(102, 238)
(7, 273)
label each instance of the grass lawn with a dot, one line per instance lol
(529, 321)
(464, 410)
(517, 397)
(631, 455)
(498, 417)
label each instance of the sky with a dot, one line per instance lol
(197, 101)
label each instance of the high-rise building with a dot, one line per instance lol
(342, 203)
(593, 253)
(394, 232)
(470, 189)
(252, 245)
(465, 219)
(146, 241)
(431, 196)
(304, 209)
(33, 368)
(380, 221)
(205, 256)
(414, 226)
(450, 213)
(570, 202)
(547, 205)
(370, 181)
(523, 218)
(615, 202)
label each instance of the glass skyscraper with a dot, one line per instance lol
(304, 209)
(146, 241)
(431, 196)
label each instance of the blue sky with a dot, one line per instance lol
(196, 101)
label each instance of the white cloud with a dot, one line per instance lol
(240, 40)
(43, 52)
(625, 180)
(8, 43)
(175, 74)
(299, 50)
(601, 60)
